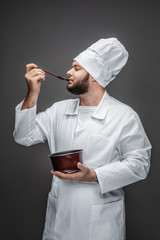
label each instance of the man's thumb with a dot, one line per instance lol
(81, 166)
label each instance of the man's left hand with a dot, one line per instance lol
(85, 174)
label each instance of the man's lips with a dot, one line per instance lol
(70, 80)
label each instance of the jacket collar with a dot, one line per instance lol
(99, 113)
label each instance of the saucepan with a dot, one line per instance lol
(66, 161)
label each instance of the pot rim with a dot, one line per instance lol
(64, 153)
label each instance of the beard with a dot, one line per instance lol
(81, 87)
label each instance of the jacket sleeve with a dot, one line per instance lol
(31, 128)
(135, 152)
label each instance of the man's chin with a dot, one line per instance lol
(71, 90)
(69, 87)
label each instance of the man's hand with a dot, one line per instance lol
(33, 76)
(85, 174)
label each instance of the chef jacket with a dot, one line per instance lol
(114, 144)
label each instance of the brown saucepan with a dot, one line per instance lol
(66, 161)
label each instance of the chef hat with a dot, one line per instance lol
(103, 60)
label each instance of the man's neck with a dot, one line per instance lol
(92, 98)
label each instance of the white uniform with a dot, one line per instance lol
(115, 146)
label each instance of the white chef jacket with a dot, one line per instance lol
(114, 144)
(84, 116)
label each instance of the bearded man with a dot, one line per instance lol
(88, 204)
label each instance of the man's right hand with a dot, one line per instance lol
(33, 76)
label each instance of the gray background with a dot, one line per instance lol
(50, 34)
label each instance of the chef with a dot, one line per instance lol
(88, 204)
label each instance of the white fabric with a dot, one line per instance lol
(85, 112)
(83, 121)
(115, 146)
(103, 60)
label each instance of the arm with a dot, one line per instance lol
(32, 128)
(33, 78)
(26, 130)
(135, 152)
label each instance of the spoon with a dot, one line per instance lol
(53, 74)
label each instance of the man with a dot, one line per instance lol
(89, 204)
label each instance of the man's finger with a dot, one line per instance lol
(82, 167)
(36, 71)
(69, 176)
(30, 66)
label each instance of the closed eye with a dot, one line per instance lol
(76, 68)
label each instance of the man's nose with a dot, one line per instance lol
(69, 73)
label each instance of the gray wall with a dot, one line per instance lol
(50, 34)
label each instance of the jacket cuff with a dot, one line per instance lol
(19, 106)
(24, 120)
(99, 180)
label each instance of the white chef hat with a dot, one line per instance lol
(103, 60)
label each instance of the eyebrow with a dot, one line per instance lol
(75, 65)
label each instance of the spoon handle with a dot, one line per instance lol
(53, 74)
